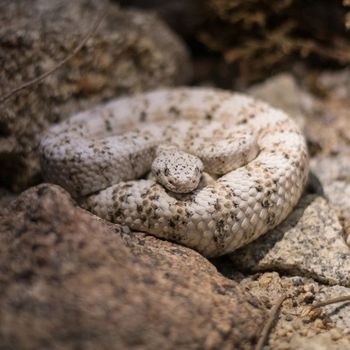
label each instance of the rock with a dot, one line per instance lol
(309, 242)
(338, 313)
(334, 175)
(328, 127)
(324, 121)
(70, 280)
(331, 169)
(318, 342)
(283, 92)
(130, 51)
(336, 83)
(334, 87)
(6, 197)
(184, 16)
(296, 326)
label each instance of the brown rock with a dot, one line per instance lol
(69, 280)
(130, 51)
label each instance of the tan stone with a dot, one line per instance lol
(70, 280)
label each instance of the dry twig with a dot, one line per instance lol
(331, 301)
(40, 78)
(269, 324)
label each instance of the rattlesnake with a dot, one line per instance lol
(225, 167)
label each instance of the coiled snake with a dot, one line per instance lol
(206, 168)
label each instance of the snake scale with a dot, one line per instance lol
(209, 169)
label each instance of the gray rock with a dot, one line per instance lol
(332, 168)
(282, 91)
(325, 122)
(338, 313)
(309, 243)
(336, 83)
(72, 281)
(130, 51)
(334, 175)
(328, 128)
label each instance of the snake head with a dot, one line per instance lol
(177, 171)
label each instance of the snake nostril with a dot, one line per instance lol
(166, 171)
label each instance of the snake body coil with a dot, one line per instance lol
(225, 167)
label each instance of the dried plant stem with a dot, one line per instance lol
(331, 301)
(40, 78)
(269, 324)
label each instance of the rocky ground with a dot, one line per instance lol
(69, 280)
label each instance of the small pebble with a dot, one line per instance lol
(335, 334)
(297, 281)
(308, 297)
(289, 318)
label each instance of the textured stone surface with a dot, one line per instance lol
(336, 83)
(130, 51)
(309, 243)
(334, 175)
(70, 280)
(338, 313)
(324, 120)
(282, 91)
(296, 326)
(326, 341)
(328, 127)
(6, 197)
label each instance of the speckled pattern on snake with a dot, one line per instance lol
(210, 169)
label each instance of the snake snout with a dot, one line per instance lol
(177, 171)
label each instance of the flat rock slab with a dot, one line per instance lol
(70, 280)
(309, 243)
